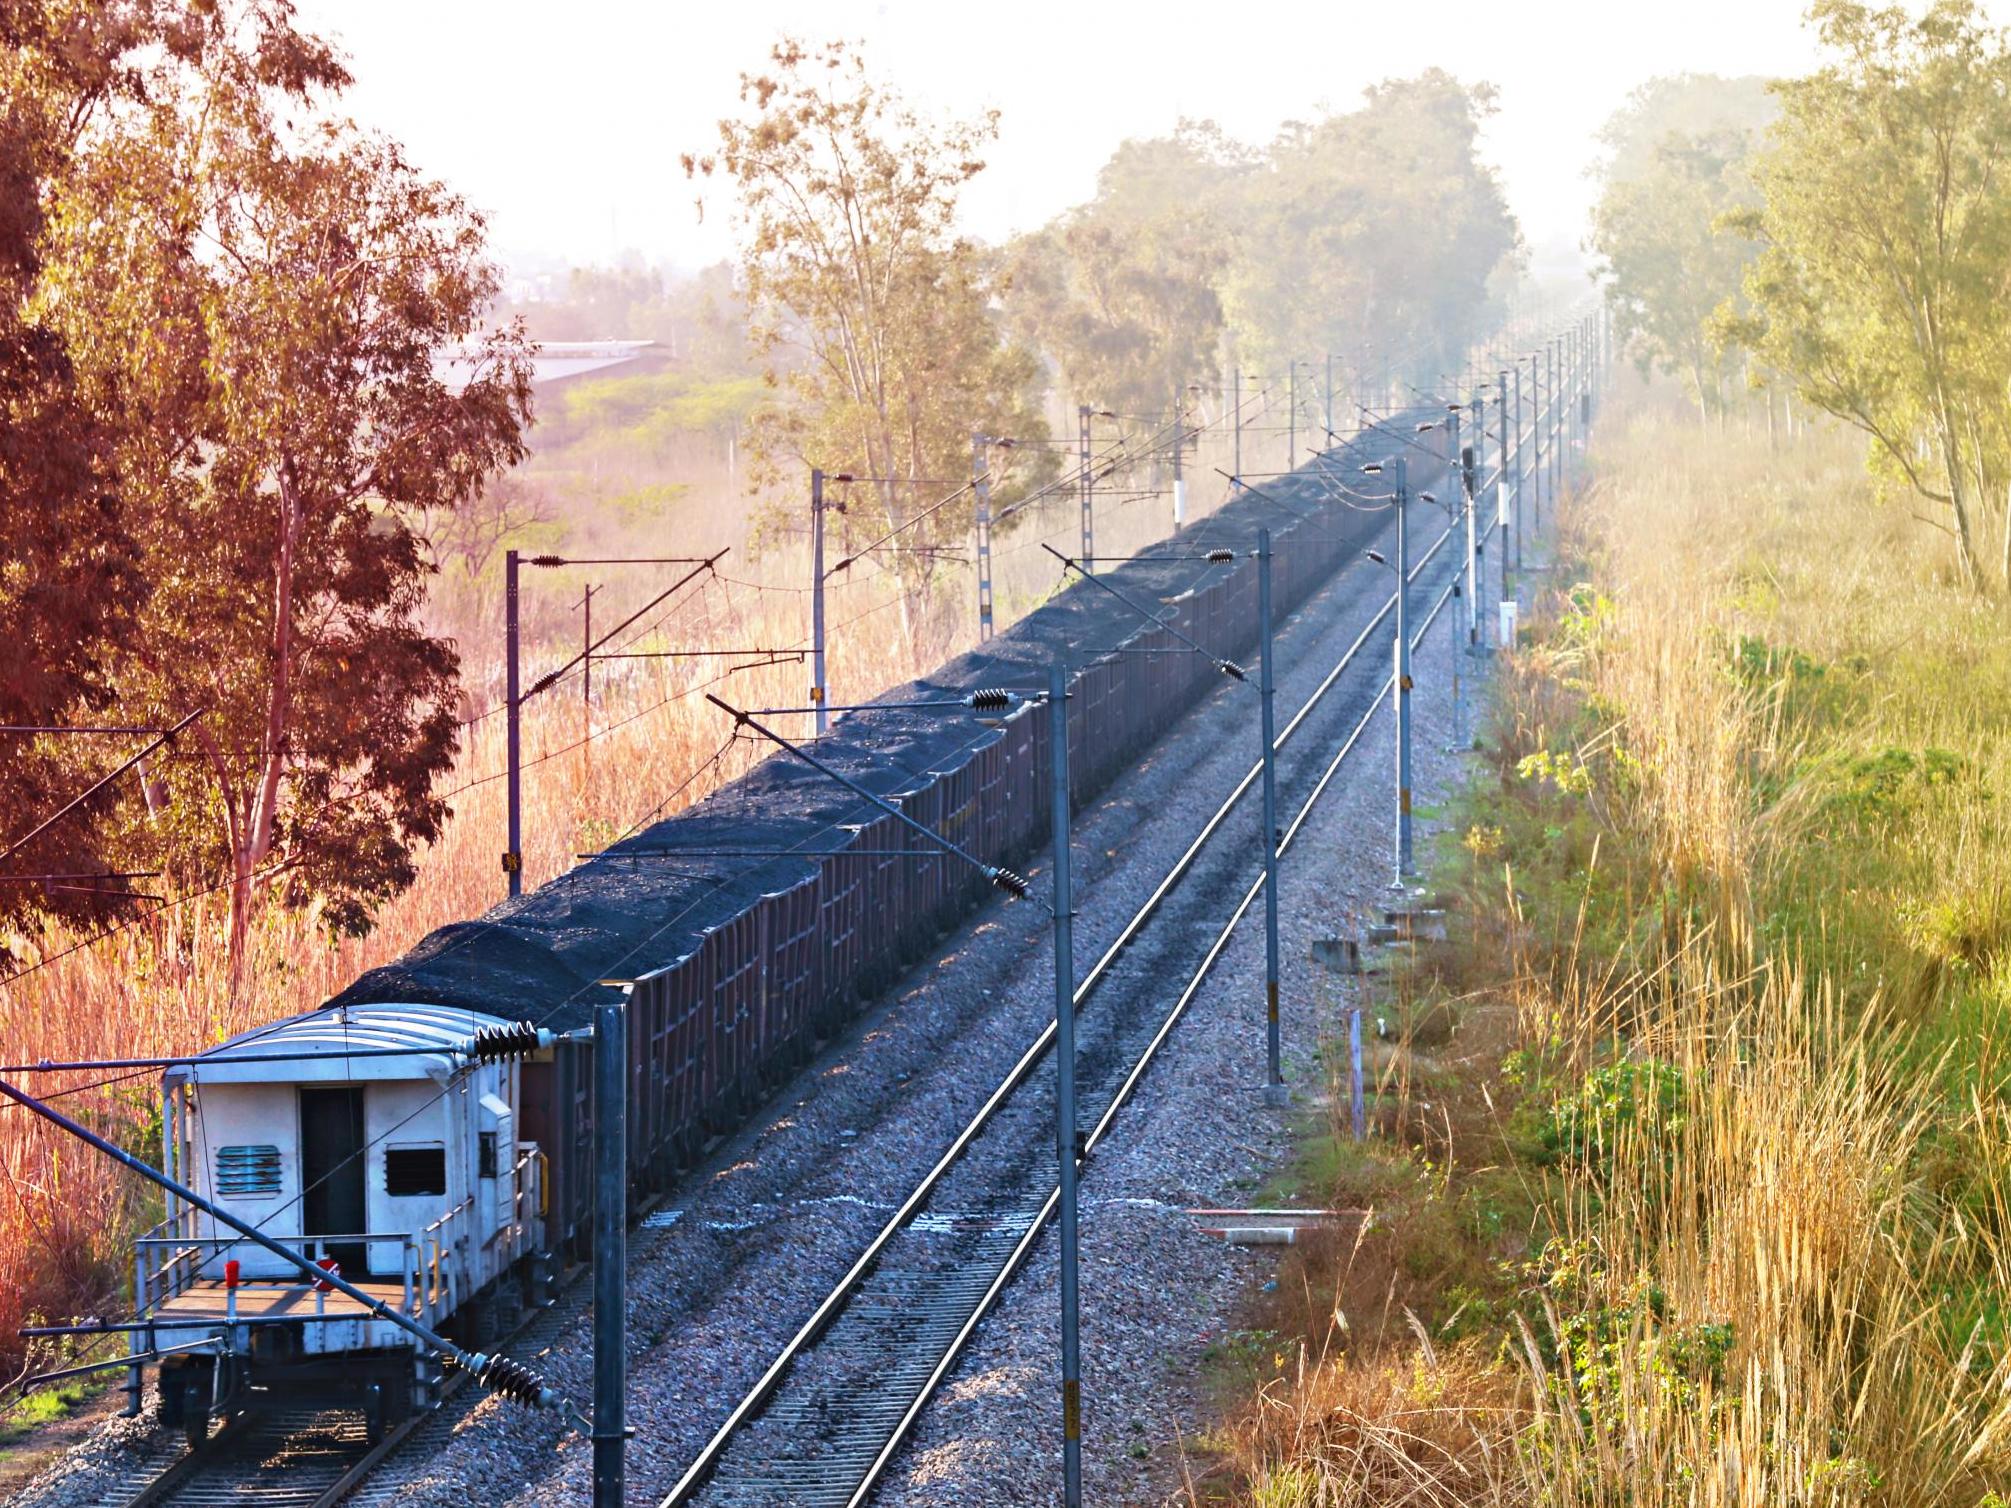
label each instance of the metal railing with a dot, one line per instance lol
(435, 1266)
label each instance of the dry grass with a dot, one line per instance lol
(1756, 888)
(67, 1217)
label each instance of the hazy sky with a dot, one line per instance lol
(565, 121)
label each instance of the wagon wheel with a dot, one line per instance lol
(195, 1413)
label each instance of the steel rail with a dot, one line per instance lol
(765, 1387)
(190, 1463)
(1024, 1247)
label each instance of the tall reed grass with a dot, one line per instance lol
(1734, 868)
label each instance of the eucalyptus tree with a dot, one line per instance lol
(1122, 293)
(873, 315)
(1886, 224)
(254, 295)
(1670, 261)
(1382, 218)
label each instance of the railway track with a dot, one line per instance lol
(308, 1459)
(823, 1423)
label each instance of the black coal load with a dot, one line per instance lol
(628, 912)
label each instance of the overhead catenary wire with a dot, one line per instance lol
(1228, 667)
(770, 1380)
(282, 866)
(165, 736)
(551, 678)
(285, 864)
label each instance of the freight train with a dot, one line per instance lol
(455, 1186)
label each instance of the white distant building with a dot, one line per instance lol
(562, 361)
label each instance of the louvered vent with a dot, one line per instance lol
(247, 1172)
(415, 1170)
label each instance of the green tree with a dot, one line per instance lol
(257, 308)
(1383, 219)
(1670, 262)
(1692, 106)
(1122, 293)
(872, 314)
(1886, 222)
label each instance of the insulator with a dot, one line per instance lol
(1232, 670)
(514, 1381)
(546, 560)
(991, 699)
(1012, 884)
(495, 1044)
(1221, 557)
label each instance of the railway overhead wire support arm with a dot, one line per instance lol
(1229, 668)
(1000, 877)
(164, 736)
(514, 698)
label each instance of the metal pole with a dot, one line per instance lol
(1562, 347)
(1064, 1095)
(513, 851)
(1501, 483)
(1476, 532)
(1357, 1110)
(1328, 423)
(1088, 486)
(1292, 417)
(587, 650)
(1274, 1078)
(981, 483)
(610, 1251)
(819, 692)
(1403, 678)
(1179, 481)
(1236, 387)
(1462, 599)
(1556, 430)
(1539, 459)
(1568, 371)
(1521, 474)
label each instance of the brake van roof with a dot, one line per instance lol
(322, 1046)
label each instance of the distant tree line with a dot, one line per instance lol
(230, 462)
(891, 340)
